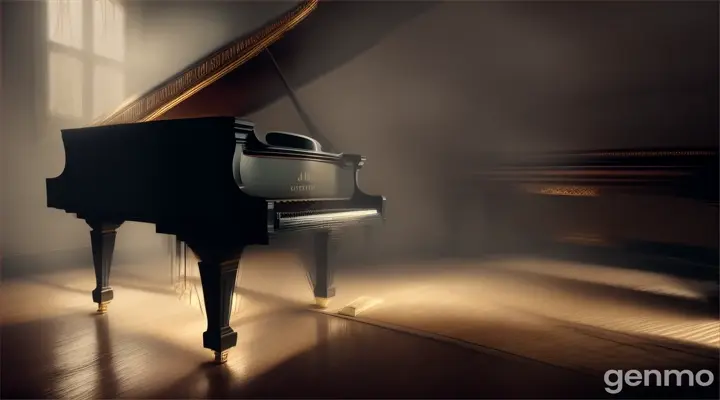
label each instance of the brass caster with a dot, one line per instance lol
(102, 308)
(221, 357)
(321, 302)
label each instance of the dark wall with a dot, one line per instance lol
(461, 79)
(177, 33)
(534, 76)
(21, 143)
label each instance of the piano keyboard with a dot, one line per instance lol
(297, 221)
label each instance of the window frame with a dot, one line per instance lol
(86, 55)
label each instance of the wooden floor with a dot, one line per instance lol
(53, 345)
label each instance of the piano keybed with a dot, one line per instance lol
(292, 221)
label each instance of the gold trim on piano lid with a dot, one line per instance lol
(175, 90)
(577, 191)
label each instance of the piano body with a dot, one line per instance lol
(247, 187)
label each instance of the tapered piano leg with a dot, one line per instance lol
(102, 238)
(218, 283)
(324, 273)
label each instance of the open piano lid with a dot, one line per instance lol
(247, 81)
(172, 93)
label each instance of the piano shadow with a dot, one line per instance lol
(699, 277)
(77, 356)
(688, 306)
(353, 360)
(633, 256)
(97, 356)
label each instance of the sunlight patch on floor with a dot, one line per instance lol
(645, 281)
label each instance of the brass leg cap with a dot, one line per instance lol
(321, 302)
(102, 308)
(221, 357)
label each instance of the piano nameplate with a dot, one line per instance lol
(302, 188)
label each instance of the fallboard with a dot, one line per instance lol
(286, 177)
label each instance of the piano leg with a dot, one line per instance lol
(102, 238)
(218, 270)
(323, 285)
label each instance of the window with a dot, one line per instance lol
(65, 22)
(108, 84)
(86, 54)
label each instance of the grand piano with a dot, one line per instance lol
(248, 187)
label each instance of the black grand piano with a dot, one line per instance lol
(247, 187)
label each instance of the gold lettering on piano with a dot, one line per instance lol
(303, 184)
(302, 188)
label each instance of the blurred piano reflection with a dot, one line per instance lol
(247, 187)
(567, 194)
(688, 173)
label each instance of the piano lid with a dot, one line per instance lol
(175, 90)
(248, 86)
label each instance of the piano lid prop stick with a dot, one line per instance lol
(312, 128)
